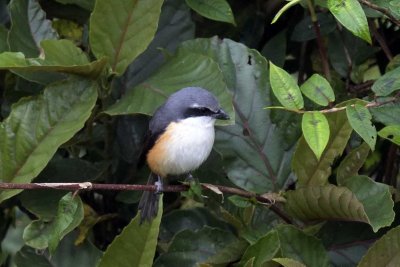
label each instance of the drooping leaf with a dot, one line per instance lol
(360, 120)
(351, 15)
(376, 199)
(318, 89)
(385, 251)
(392, 133)
(218, 10)
(69, 215)
(29, 27)
(37, 126)
(352, 163)
(183, 70)
(190, 248)
(284, 9)
(286, 262)
(388, 83)
(122, 29)
(285, 88)
(315, 128)
(136, 245)
(58, 56)
(326, 202)
(311, 171)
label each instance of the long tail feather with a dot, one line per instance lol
(148, 204)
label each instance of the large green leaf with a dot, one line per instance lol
(376, 199)
(213, 9)
(37, 126)
(326, 202)
(285, 88)
(286, 262)
(387, 114)
(136, 245)
(318, 89)
(352, 163)
(310, 170)
(385, 252)
(183, 70)
(360, 120)
(315, 128)
(388, 83)
(122, 29)
(189, 248)
(351, 15)
(57, 56)
(392, 133)
(29, 27)
(256, 152)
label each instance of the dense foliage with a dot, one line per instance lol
(312, 88)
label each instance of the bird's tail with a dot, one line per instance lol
(148, 204)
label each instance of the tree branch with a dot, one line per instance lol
(383, 10)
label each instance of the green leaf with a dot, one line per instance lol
(387, 114)
(384, 252)
(69, 216)
(218, 10)
(388, 83)
(189, 248)
(264, 250)
(352, 163)
(284, 9)
(318, 89)
(305, 30)
(311, 171)
(392, 133)
(286, 262)
(28, 256)
(136, 245)
(37, 126)
(59, 56)
(29, 27)
(360, 120)
(285, 88)
(351, 15)
(315, 128)
(3, 39)
(376, 199)
(122, 29)
(326, 202)
(183, 70)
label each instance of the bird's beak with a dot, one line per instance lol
(221, 115)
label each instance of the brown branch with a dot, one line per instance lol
(381, 40)
(383, 10)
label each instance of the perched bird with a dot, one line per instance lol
(180, 138)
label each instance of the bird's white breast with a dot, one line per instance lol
(190, 143)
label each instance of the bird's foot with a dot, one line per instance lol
(159, 186)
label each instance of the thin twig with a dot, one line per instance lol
(383, 10)
(381, 40)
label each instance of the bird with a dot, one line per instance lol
(180, 138)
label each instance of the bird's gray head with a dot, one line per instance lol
(194, 102)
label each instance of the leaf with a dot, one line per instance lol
(316, 132)
(351, 15)
(360, 120)
(28, 257)
(392, 133)
(183, 70)
(37, 126)
(352, 163)
(286, 262)
(122, 29)
(318, 89)
(59, 56)
(388, 83)
(29, 27)
(326, 202)
(264, 250)
(252, 148)
(3, 39)
(136, 245)
(309, 170)
(218, 10)
(376, 199)
(285, 88)
(305, 31)
(284, 9)
(69, 216)
(387, 114)
(189, 248)
(385, 251)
